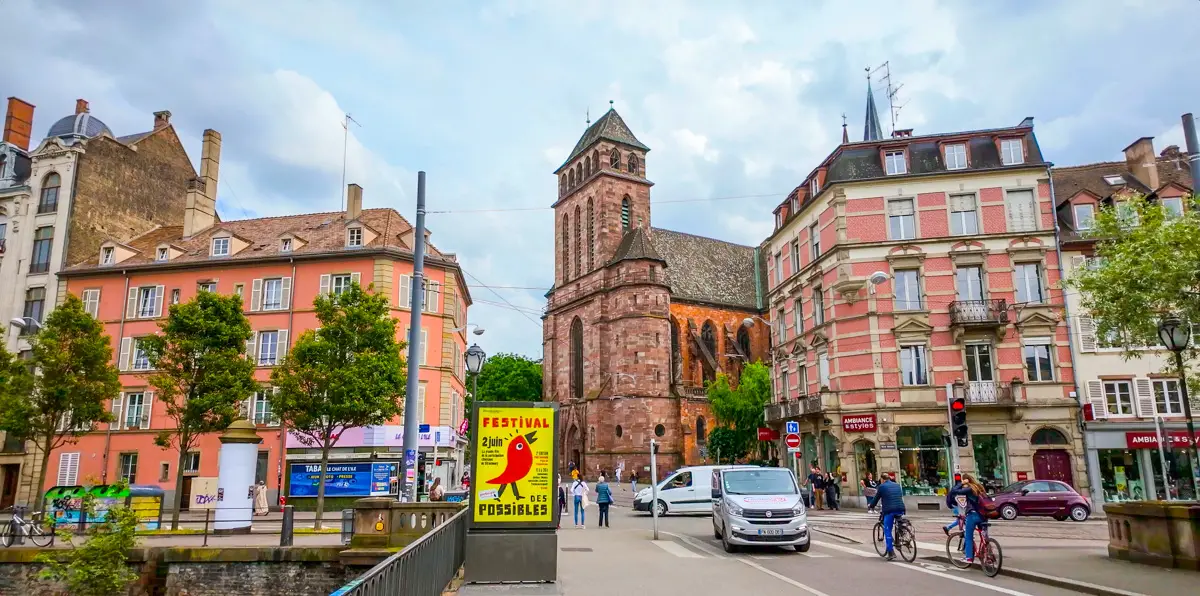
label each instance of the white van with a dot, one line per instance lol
(686, 490)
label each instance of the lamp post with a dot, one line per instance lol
(1176, 335)
(29, 324)
(475, 357)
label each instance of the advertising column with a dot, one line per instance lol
(511, 535)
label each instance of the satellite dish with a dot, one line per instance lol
(879, 277)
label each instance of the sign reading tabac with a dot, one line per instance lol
(513, 475)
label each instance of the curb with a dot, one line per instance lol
(1051, 580)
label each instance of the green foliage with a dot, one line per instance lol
(200, 372)
(69, 394)
(739, 411)
(508, 377)
(728, 444)
(97, 567)
(348, 373)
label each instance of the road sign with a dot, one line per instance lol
(792, 427)
(792, 441)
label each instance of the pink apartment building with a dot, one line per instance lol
(278, 265)
(900, 266)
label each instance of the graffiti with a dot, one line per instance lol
(205, 499)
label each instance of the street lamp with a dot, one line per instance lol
(1176, 335)
(29, 324)
(475, 357)
(478, 330)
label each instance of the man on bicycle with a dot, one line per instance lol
(891, 496)
(967, 497)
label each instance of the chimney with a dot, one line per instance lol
(902, 133)
(81, 106)
(353, 201)
(200, 209)
(18, 123)
(1139, 158)
(161, 119)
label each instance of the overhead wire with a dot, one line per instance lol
(669, 201)
(502, 298)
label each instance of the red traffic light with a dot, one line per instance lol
(957, 478)
(958, 404)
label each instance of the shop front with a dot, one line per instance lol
(991, 461)
(924, 460)
(1135, 464)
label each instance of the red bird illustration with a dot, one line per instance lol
(520, 461)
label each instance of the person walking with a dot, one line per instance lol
(579, 490)
(817, 481)
(603, 500)
(869, 486)
(890, 497)
(436, 492)
(562, 501)
(833, 490)
(633, 481)
(260, 498)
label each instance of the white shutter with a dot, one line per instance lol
(159, 298)
(962, 202)
(250, 407)
(1145, 397)
(287, 293)
(1087, 334)
(251, 353)
(901, 207)
(1021, 210)
(281, 348)
(68, 469)
(117, 402)
(1095, 395)
(355, 277)
(1078, 263)
(324, 289)
(131, 308)
(123, 359)
(147, 407)
(256, 295)
(405, 291)
(433, 292)
(424, 347)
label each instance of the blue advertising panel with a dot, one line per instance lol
(369, 479)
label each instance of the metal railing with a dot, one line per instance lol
(978, 312)
(423, 568)
(808, 404)
(988, 392)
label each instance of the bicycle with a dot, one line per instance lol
(987, 549)
(32, 529)
(904, 541)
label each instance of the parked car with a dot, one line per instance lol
(758, 507)
(1049, 498)
(685, 490)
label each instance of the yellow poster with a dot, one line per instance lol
(514, 461)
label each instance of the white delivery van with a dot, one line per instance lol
(686, 490)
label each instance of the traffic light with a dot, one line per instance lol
(958, 420)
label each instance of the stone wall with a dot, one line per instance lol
(255, 579)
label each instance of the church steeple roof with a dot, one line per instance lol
(872, 130)
(636, 245)
(609, 127)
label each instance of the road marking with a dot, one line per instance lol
(674, 548)
(748, 562)
(815, 555)
(863, 553)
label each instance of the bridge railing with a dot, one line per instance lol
(423, 568)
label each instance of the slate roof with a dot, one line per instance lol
(1071, 180)
(636, 245)
(872, 130)
(82, 124)
(131, 139)
(609, 127)
(321, 232)
(706, 270)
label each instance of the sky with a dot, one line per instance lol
(737, 100)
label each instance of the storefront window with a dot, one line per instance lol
(833, 462)
(991, 461)
(809, 449)
(924, 460)
(1179, 474)
(864, 459)
(1120, 475)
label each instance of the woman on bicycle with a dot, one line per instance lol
(967, 498)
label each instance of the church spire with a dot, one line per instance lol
(872, 131)
(845, 133)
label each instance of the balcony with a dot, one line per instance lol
(979, 313)
(808, 404)
(989, 393)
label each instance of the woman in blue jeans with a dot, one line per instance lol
(966, 497)
(579, 489)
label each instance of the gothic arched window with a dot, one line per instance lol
(625, 214)
(591, 241)
(587, 166)
(578, 244)
(676, 357)
(633, 164)
(576, 357)
(579, 173)
(708, 335)
(566, 248)
(743, 339)
(562, 183)
(596, 160)
(571, 179)
(701, 431)
(614, 159)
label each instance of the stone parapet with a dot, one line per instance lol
(1164, 534)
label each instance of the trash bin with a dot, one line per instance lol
(347, 525)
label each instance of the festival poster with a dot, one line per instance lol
(514, 461)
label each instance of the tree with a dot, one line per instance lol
(200, 373)
(740, 410)
(99, 567)
(68, 395)
(727, 444)
(507, 377)
(348, 373)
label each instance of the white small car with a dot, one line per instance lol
(683, 491)
(758, 507)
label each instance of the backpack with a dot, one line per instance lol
(988, 508)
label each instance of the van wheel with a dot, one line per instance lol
(717, 533)
(661, 507)
(803, 548)
(728, 546)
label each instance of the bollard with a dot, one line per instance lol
(289, 522)
(18, 533)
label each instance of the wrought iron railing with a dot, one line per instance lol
(423, 568)
(988, 392)
(808, 404)
(978, 312)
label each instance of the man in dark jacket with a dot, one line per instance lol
(891, 496)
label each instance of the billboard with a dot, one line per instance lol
(513, 471)
(360, 479)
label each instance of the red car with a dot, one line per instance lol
(1042, 498)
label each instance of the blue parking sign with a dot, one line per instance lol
(792, 427)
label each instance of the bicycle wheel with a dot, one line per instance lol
(906, 542)
(991, 558)
(6, 535)
(877, 538)
(39, 535)
(954, 549)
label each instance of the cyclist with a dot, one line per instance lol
(891, 496)
(968, 497)
(950, 502)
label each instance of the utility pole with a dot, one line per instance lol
(408, 478)
(1193, 147)
(654, 484)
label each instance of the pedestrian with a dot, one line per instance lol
(633, 481)
(260, 498)
(603, 500)
(562, 501)
(969, 497)
(890, 497)
(466, 482)
(579, 490)
(869, 486)
(436, 492)
(833, 490)
(817, 481)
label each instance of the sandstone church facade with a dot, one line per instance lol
(639, 318)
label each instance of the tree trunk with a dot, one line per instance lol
(321, 486)
(39, 491)
(177, 498)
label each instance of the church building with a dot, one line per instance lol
(639, 318)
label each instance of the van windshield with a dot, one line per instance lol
(761, 481)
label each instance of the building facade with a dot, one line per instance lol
(1131, 403)
(278, 265)
(907, 267)
(58, 202)
(639, 318)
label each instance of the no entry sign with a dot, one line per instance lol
(792, 441)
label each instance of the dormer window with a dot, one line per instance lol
(162, 254)
(354, 237)
(814, 187)
(956, 157)
(285, 245)
(895, 163)
(108, 255)
(220, 247)
(1011, 152)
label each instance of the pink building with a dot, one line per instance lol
(278, 265)
(903, 265)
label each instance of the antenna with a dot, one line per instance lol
(345, 143)
(892, 91)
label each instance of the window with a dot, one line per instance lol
(902, 219)
(285, 245)
(969, 283)
(1127, 213)
(784, 388)
(634, 166)
(43, 239)
(354, 237)
(1119, 395)
(913, 368)
(238, 289)
(778, 267)
(1085, 216)
(1021, 211)
(964, 220)
(1011, 152)
(421, 403)
(68, 469)
(798, 315)
(1173, 207)
(1114, 180)
(50, 186)
(272, 298)
(814, 240)
(660, 430)
(818, 302)
(35, 307)
(147, 302)
(175, 296)
(1048, 436)
(141, 360)
(956, 157)
(268, 348)
(162, 254)
(433, 293)
(782, 322)
(1167, 399)
(260, 467)
(220, 247)
(455, 409)
(422, 346)
(191, 463)
(814, 187)
(823, 369)
(91, 302)
(340, 283)
(211, 286)
(137, 411)
(625, 214)
(128, 467)
(1038, 366)
(260, 409)
(614, 159)
(1027, 277)
(908, 289)
(795, 256)
(894, 163)
(108, 255)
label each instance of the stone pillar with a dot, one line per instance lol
(235, 478)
